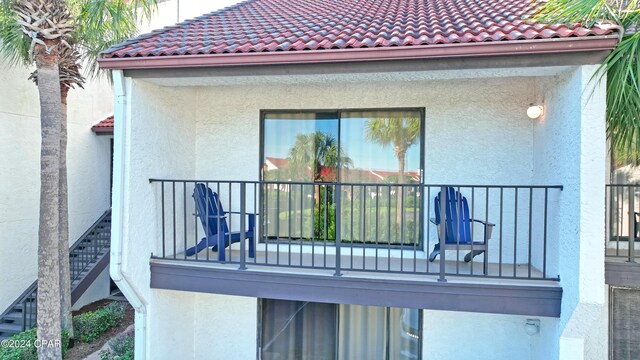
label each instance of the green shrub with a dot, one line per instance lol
(122, 348)
(27, 346)
(90, 325)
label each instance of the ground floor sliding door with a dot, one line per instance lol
(317, 331)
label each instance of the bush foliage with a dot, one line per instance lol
(122, 348)
(90, 325)
(25, 348)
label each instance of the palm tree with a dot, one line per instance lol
(315, 152)
(401, 132)
(58, 36)
(621, 67)
(317, 155)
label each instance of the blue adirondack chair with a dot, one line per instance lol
(458, 227)
(214, 221)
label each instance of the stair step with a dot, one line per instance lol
(16, 317)
(10, 328)
(18, 308)
(83, 258)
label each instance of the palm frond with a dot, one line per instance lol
(585, 12)
(623, 98)
(621, 67)
(14, 46)
(103, 23)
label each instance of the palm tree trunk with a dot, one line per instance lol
(48, 264)
(63, 213)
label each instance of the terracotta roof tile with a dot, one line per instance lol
(302, 25)
(104, 126)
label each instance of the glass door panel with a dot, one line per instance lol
(383, 147)
(300, 160)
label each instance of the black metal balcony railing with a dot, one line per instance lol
(622, 218)
(340, 227)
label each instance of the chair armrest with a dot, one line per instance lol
(485, 223)
(212, 216)
(488, 227)
(251, 216)
(239, 213)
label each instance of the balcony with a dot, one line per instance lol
(621, 249)
(347, 240)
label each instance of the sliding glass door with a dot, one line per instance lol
(308, 330)
(375, 157)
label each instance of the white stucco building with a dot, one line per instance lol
(203, 104)
(89, 162)
(89, 157)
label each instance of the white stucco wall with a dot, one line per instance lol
(483, 336)
(98, 290)
(212, 132)
(573, 150)
(88, 168)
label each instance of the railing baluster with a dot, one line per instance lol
(377, 237)
(325, 231)
(500, 242)
(24, 314)
(442, 232)
(230, 219)
(632, 230)
(164, 255)
(544, 237)
(195, 222)
(473, 208)
(243, 234)
(389, 229)
(428, 244)
(351, 224)
(337, 196)
(530, 235)
(266, 221)
(313, 224)
(173, 185)
(184, 213)
(278, 225)
(289, 223)
(416, 226)
(515, 234)
(363, 235)
(402, 216)
(301, 220)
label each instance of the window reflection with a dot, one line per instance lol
(356, 149)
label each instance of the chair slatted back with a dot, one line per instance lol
(209, 210)
(458, 221)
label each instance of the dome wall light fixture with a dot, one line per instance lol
(535, 111)
(532, 327)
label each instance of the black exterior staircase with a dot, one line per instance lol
(88, 257)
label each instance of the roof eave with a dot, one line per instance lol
(520, 47)
(102, 130)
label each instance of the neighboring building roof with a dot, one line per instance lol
(277, 163)
(294, 31)
(104, 127)
(355, 175)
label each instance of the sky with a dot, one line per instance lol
(173, 11)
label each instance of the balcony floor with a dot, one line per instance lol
(353, 262)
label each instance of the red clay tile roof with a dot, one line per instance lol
(268, 26)
(104, 127)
